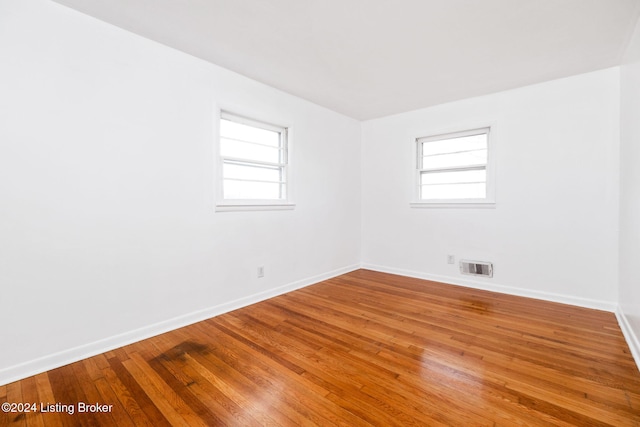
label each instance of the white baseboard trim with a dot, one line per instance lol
(476, 284)
(632, 339)
(65, 357)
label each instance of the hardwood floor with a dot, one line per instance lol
(361, 349)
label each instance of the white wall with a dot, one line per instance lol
(629, 313)
(107, 221)
(553, 232)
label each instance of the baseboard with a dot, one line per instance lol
(56, 360)
(629, 336)
(476, 284)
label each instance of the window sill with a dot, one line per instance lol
(457, 204)
(231, 207)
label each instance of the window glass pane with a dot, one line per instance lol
(454, 145)
(254, 157)
(252, 190)
(453, 166)
(257, 173)
(248, 151)
(454, 191)
(461, 158)
(453, 177)
(248, 133)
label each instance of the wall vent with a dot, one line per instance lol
(476, 268)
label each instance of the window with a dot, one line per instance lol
(454, 168)
(254, 164)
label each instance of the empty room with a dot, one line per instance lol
(319, 213)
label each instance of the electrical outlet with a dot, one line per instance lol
(260, 271)
(451, 259)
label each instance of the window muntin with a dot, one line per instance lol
(254, 161)
(452, 167)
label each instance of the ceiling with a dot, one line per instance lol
(372, 58)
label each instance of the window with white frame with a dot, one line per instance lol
(454, 167)
(254, 162)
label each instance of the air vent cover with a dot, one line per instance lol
(476, 268)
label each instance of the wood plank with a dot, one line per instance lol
(4, 416)
(14, 395)
(165, 399)
(68, 392)
(361, 349)
(30, 395)
(137, 393)
(92, 395)
(187, 393)
(46, 396)
(125, 398)
(119, 413)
